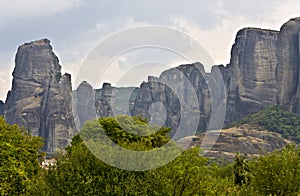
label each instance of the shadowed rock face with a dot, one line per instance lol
(84, 104)
(251, 75)
(40, 98)
(288, 53)
(1, 108)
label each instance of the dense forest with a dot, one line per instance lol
(79, 172)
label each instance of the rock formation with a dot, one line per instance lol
(288, 54)
(112, 101)
(244, 139)
(174, 89)
(1, 108)
(251, 75)
(40, 98)
(84, 107)
(263, 70)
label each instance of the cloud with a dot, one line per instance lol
(20, 9)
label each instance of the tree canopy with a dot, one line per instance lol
(19, 160)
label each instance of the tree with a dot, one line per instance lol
(19, 160)
(277, 173)
(79, 172)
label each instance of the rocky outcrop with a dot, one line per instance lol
(40, 98)
(288, 53)
(245, 139)
(84, 104)
(263, 70)
(103, 100)
(1, 108)
(251, 75)
(112, 101)
(183, 95)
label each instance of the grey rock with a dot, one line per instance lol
(40, 98)
(84, 106)
(184, 94)
(251, 75)
(103, 101)
(1, 108)
(113, 101)
(263, 70)
(288, 47)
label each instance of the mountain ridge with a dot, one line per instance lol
(263, 70)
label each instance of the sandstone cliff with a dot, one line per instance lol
(40, 98)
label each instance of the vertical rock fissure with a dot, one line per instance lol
(43, 128)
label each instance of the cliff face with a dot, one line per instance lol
(112, 101)
(84, 104)
(288, 53)
(184, 96)
(263, 70)
(1, 108)
(40, 98)
(251, 84)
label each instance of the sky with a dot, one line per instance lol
(77, 27)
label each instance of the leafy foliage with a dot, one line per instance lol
(274, 118)
(19, 160)
(275, 174)
(79, 172)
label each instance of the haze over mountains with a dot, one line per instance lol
(263, 70)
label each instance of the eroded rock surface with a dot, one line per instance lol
(40, 98)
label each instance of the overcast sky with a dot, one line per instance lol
(75, 27)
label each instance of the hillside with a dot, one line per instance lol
(275, 119)
(260, 133)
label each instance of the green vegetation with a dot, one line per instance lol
(275, 119)
(19, 165)
(79, 172)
